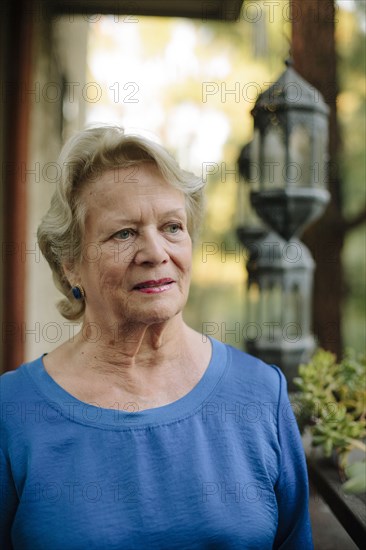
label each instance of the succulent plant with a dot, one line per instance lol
(331, 403)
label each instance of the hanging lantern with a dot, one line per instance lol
(289, 154)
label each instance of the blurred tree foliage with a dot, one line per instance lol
(350, 40)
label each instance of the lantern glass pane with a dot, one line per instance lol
(263, 306)
(274, 158)
(299, 169)
(320, 155)
(289, 308)
(298, 306)
(275, 309)
(246, 215)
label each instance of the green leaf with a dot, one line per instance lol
(357, 474)
(356, 469)
(355, 485)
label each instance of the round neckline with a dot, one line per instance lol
(93, 415)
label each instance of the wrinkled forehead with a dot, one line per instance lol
(127, 189)
(139, 176)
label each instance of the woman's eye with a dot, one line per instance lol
(174, 228)
(123, 234)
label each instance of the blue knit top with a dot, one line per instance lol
(220, 468)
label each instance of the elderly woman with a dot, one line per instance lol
(139, 432)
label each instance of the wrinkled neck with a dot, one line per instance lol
(127, 345)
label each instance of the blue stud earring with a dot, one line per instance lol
(78, 292)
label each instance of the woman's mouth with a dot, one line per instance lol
(154, 287)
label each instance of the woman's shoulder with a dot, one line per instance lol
(14, 384)
(261, 379)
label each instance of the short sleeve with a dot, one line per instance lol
(292, 487)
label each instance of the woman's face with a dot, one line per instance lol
(137, 252)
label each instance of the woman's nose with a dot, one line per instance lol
(151, 249)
